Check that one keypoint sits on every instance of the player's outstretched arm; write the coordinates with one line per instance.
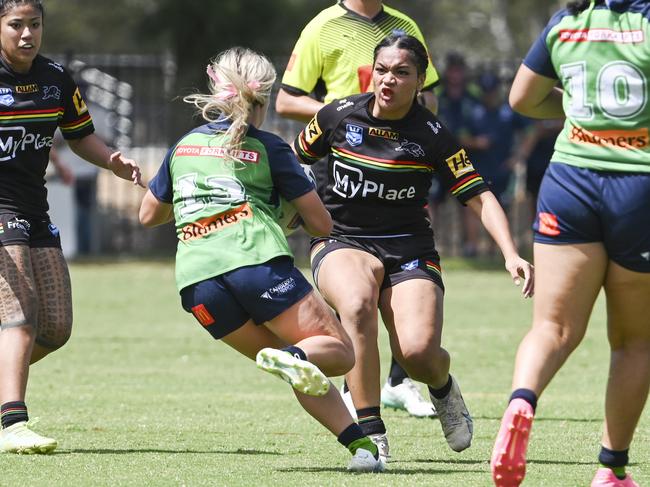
(94, 150)
(486, 206)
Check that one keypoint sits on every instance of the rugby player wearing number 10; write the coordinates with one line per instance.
(592, 229)
(382, 149)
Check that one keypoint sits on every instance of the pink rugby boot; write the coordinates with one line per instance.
(606, 478)
(508, 461)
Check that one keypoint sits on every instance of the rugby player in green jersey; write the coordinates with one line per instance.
(592, 229)
(222, 184)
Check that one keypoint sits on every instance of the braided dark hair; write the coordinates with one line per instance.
(401, 40)
(6, 5)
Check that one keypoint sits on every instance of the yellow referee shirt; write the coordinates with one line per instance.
(337, 47)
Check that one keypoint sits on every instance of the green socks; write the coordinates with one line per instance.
(364, 443)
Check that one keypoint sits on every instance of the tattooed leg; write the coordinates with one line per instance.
(18, 314)
(55, 301)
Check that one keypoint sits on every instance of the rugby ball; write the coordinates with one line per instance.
(289, 218)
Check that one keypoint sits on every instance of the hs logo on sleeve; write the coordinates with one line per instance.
(459, 163)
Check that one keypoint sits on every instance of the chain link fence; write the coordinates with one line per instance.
(131, 98)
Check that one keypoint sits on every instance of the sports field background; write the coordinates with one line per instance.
(142, 396)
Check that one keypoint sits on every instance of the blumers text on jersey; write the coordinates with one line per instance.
(32, 107)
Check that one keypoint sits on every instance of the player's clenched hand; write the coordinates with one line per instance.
(520, 268)
(125, 168)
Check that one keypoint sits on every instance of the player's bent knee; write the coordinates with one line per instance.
(357, 309)
(565, 335)
(345, 360)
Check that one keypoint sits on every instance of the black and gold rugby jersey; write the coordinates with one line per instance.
(32, 106)
(337, 46)
(379, 171)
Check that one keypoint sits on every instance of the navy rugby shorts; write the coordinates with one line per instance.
(404, 258)
(224, 303)
(16, 229)
(578, 205)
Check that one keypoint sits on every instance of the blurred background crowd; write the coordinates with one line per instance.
(135, 59)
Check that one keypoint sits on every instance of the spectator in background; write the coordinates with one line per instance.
(455, 102)
(536, 151)
(83, 177)
(63, 171)
(455, 107)
(335, 54)
(491, 142)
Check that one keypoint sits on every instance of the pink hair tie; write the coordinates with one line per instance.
(227, 91)
(213, 75)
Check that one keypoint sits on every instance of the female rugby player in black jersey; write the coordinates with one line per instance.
(382, 149)
(36, 97)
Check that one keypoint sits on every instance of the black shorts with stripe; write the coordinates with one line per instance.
(404, 257)
(17, 229)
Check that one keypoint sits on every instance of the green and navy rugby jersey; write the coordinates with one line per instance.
(379, 171)
(226, 213)
(602, 57)
(32, 106)
(336, 47)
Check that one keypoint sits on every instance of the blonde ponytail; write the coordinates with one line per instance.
(239, 79)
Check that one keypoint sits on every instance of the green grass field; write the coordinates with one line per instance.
(142, 396)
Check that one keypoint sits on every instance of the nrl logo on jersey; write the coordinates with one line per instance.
(383, 133)
(353, 134)
(410, 266)
(6, 97)
(30, 88)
